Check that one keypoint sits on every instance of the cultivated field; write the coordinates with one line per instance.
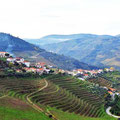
(55, 97)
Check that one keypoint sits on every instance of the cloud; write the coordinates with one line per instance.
(37, 18)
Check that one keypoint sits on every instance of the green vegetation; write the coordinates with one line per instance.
(72, 116)
(2, 59)
(100, 81)
(99, 50)
(116, 106)
(14, 109)
(113, 78)
(21, 48)
(58, 96)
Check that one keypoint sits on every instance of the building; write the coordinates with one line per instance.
(86, 75)
(40, 64)
(10, 59)
(19, 59)
(110, 92)
(27, 63)
(112, 89)
(30, 69)
(4, 54)
(40, 70)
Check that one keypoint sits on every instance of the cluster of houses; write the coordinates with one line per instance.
(18, 60)
(40, 67)
(83, 74)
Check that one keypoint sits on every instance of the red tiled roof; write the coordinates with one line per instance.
(41, 69)
(85, 74)
(3, 52)
(26, 61)
(80, 70)
(33, 68)
(110, 92)
(18, 58)
(112, 89)
(41, 63)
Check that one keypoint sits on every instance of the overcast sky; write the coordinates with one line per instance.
(37, 18)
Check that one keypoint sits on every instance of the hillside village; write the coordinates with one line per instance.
(19, 65)
(42, 67)
(39, 67)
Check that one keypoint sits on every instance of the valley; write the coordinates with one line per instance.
(59, 60)
(36, 84)
(98, 50)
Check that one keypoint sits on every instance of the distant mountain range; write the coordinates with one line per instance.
(47, 40)
(20, 48)
(100, 50)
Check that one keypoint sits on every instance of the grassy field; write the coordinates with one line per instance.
(71, 116)
(15, 109)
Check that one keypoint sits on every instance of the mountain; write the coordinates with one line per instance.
(50, 39)
(100, 50)
(20, 48)
(47, 40)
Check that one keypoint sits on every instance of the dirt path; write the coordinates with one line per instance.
(3, 96)
(109, 113)
(36, 107)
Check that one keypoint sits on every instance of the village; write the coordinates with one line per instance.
(44, 68)
(40, 67)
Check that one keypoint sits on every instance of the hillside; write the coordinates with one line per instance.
(100, 50)
(53, 97)
(49, 39)
(20, 48)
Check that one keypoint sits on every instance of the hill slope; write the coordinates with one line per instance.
(21, 48)
(50, 39)
(92, 49)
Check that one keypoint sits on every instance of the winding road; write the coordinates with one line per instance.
(37, 107)
(109, 113)
(3, 96)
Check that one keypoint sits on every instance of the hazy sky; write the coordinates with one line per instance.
(37, 18)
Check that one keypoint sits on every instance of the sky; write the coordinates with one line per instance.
(38, 18)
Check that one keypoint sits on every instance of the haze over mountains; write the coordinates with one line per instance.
(100, 50)
(49, 39)
(20, 48)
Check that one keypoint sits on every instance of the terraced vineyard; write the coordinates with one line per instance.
(60, 92)
(101, 81)
(76, 98)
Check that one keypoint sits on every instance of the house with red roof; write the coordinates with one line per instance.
(19, 59)
(110, 92)
(112, 89)
(4, 54)
(27, 63)
(40, 64)
(85, 75)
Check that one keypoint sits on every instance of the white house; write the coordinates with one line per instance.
(40, 64)
(10, 59)
(19, 60)
(27, 63)
(4, 54)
